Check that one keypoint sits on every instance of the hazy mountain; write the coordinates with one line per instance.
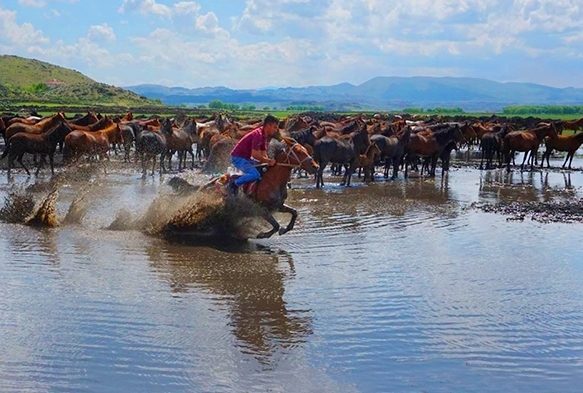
(379, 93)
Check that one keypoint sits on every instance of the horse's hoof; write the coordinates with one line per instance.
(282, 231)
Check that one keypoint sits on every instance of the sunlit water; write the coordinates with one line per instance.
(390, 287)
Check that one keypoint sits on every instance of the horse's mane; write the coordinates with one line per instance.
(275, 147)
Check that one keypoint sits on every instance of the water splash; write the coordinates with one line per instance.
(46, 214)
(18, 205)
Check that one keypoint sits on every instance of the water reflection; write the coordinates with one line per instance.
(251, 283)
(499, 186)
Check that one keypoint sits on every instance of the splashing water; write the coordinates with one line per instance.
(18, 205)
(46, 214)
(201, 215)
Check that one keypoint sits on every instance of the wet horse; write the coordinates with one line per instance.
(337, 151)
(271, 191)
(38, 128)
(43, 144)
(432, 145)
(568, 143)
(526, 141)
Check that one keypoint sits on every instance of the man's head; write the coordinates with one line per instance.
(270, 125)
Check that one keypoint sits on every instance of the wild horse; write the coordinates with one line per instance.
(270, 192)
(43, 144)
(432, 145)
(526, 141)
(338, 151)
(568, 143)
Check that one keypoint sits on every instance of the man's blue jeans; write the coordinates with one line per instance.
(250, 172)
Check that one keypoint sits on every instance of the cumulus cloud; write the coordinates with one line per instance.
(14, 34)
(101, 32)
(145, 7)
(186, 7)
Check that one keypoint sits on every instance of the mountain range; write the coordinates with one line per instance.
(380, 93)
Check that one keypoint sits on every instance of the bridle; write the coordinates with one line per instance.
(291, 153)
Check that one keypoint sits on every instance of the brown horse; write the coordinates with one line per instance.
(178, 140)
(573, 125)
(526, 141)
(89, 118)
(43, 144)
(40, 127)
(271, 191)
(91, 143)
(367, 161)
(431, 146)
(568, 143)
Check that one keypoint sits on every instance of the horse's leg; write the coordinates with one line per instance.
(270, 219)
(192, 156)
(22, 163)
(294, 216)
(524, 160)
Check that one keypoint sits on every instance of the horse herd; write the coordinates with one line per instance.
(348, 143)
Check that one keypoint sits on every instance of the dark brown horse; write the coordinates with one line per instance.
(526, 141)
(271, 191)
(432, 145)
(573, 124)
(43, 144)
(340, 151)
(568, 143)
(38, 128)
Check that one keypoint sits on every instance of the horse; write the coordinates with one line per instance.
(392, 149)
(270, 191)
(328, 149)
(568, 143)
(150, 144)
(432, 145)
(43, 144)
(178, 140)
(79, 143)
(526, 141)
(574, 125)
(367, 161)
(40, 127)
(491, 143)
(85, 120)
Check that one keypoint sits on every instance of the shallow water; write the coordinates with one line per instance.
(395, 286)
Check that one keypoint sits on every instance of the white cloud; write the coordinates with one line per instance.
(19, 35)
(101, 32)
(146, 7)
(32, 3)
(186, 7)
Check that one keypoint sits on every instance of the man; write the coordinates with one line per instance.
(252, 149)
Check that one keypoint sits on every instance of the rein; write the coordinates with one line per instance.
(289, 152)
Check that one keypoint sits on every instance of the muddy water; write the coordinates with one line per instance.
(396, 286)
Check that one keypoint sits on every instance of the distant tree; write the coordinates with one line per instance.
(216, 104)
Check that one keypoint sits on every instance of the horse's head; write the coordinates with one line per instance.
(297, 155)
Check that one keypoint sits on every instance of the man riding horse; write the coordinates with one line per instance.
(250, 150)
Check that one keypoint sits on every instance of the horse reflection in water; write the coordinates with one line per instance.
(252, 284)
(500, 187)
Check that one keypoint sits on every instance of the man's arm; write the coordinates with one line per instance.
(261, 156)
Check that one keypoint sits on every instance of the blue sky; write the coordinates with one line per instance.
(257, 43)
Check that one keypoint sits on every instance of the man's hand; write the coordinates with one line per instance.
(271, 162)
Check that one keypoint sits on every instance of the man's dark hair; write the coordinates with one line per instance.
(270, 119)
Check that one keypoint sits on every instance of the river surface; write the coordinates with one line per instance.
(391, 287)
